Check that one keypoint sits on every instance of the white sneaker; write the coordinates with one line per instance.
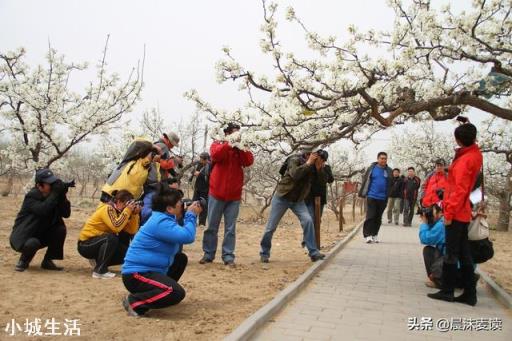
(106, 275)
(369, 240)
(374, 239)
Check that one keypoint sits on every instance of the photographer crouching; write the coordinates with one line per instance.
(39, 222)
(154, 263)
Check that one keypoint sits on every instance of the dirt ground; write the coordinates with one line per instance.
(218, 298)
(500, 266)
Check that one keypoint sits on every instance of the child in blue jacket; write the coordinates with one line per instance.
(432, 234)
(153, 263)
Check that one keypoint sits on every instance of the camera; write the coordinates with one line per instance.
(136, 202)
(188, 202)
(322, 154)
(440, 193)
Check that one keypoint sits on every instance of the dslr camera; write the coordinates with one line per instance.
(322, 154)
(188, 202)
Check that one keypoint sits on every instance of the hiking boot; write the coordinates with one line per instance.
(317, 256)
(264, 259)
(106, 275)
(205, 260)
(48, 264)
(442, 295)
(21, 266)
(129, 309)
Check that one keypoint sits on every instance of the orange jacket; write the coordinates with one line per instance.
(462, 175)
(435, 182)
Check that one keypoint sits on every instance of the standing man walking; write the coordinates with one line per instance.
(411, 187)
(226, 182)
(462, 175)
(395, 197)
(375, 188)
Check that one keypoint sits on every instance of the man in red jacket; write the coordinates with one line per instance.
(226, 182)
(435, 183)
(462, 175)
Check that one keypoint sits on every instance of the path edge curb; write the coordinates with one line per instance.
(498, 292)
(250, 325)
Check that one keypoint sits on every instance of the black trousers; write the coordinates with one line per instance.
(408, 211)
(374, 210)
(152, 290)
(430, 254)
(204, 214)
(107, 249)
(52, 237)
(457, 250)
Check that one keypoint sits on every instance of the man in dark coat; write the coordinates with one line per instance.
(411, 188)
(39, 222)
(200, 177)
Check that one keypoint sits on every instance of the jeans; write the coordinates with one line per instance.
(374, 210)
(394, 209)
(277, 210)
(217, 209)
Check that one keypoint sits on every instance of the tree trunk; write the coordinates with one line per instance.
(8, 186)
(504, 212)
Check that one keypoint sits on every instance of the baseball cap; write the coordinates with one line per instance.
(45, 175)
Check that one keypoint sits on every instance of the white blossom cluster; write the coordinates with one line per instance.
(434, 63)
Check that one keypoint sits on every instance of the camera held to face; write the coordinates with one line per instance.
(322, 154)
(188, 202)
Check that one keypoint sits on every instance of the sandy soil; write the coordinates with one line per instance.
(500, 266)
(218, 298)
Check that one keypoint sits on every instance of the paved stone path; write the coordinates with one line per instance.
(375, 291)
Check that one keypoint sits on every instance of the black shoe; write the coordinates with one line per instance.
(396, 223)
(264, 259)
(48, 264)
(469, 299)
(442, 295)
(389, 221)
(21, 266)
(318, 256)
(205, 260)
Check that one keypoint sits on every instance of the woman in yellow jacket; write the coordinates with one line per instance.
(99, 238)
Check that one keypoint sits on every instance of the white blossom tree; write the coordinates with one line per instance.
(46, 118)
(496, 143)
(433, 63)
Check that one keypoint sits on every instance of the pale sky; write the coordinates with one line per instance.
(183, 40)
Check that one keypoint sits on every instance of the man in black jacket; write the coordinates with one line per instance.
(39, 222)
(411, 188)
(395, 197)
(201, 184)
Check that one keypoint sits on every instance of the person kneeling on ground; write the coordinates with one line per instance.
(101, 240)
(433, 236)
(153, 264)
(39, 222)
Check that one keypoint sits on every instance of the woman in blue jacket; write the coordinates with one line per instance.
(153, 263)
(432, 234)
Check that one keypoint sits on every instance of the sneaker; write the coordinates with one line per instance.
(205, 260)
(369, 240)
(375, 239)
(230, 263)
(264, 259)
(396, 223)
(92, 262)
(389, 221)
(106, 275)
(317, 256)
(129, 309)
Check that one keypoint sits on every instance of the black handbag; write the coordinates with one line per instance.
(481, 250)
